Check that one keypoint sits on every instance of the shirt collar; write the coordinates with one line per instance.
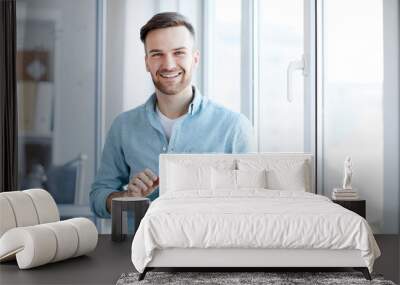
(194, 106)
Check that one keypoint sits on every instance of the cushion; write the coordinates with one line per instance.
(26, 208)
(228, 179)
(7, 220)
(40, 244)
(45, 205)
(288, 178)
(181, 177)
(24, 211)
(282, 174)
(223, 179)
(252, 178)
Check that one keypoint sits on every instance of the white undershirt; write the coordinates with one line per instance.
(167, 123)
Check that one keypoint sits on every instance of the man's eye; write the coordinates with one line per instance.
(179, 53)
(156, 55)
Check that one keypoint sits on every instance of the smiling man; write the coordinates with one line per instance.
(175, 119)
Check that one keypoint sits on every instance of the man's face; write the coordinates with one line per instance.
(171, 58)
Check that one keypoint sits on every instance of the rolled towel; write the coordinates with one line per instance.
(40, 244)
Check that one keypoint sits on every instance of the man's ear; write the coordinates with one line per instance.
(196, 57)
(147, 65)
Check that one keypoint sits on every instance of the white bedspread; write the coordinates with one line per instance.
(250, 219)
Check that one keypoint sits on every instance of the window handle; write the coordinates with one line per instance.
(292, 67)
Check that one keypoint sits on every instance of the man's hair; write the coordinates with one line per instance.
(165, 20)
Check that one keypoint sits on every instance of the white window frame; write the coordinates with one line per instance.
(250, 80)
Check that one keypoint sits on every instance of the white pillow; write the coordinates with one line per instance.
(228, 179)
(252, 178)
(288, 178)
(281, 174)
(182, 177)
(223, 179)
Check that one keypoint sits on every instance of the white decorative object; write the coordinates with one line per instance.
(31, 231)
(348, 173)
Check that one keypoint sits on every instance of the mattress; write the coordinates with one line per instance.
(251, 219)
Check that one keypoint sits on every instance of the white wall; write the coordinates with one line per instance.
(391, 90)
(137, 82)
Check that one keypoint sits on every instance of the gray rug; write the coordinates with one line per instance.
(228, 278)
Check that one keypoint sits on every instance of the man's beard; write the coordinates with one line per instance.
(176, 88)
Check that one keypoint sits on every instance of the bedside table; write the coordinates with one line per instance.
(137, 205)
(357, 206)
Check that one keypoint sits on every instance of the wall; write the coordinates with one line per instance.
(391, 189)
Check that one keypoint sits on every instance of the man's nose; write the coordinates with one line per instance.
(169, 62)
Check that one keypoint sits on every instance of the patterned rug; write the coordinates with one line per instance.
(230, 278)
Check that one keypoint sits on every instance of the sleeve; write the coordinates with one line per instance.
(243, 139)
(113, 172)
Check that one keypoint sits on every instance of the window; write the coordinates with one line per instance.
(354, 112)
(224, 39)
(357, 117)
(56, 72)
(281, 41)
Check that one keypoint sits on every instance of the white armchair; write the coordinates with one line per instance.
(31, 231)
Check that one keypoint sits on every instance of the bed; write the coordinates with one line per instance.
(247, 210)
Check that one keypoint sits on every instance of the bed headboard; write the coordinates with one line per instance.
(237, 161)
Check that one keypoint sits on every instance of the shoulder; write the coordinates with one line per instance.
(216, 109)
(220, 112)
(129, 116)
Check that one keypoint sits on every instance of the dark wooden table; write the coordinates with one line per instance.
(110, 259)
(357, 206)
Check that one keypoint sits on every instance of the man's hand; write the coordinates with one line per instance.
(141, 185)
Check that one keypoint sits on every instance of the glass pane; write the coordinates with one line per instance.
(56, 54)
(353, 102)
(226, 53)
(281, 123)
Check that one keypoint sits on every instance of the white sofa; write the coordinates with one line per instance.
(31, 231)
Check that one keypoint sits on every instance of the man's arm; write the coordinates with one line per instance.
(113, 172)
(243, 139)
(141, 185)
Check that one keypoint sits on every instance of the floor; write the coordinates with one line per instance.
(389, 262)
(111, 259)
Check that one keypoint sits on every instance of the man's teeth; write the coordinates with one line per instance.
(170, 75)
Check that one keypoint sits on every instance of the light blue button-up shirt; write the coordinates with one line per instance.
(136, 138)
